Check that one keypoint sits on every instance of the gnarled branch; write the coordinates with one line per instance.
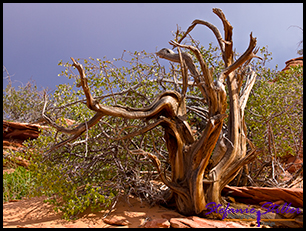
(247, 55)
(170, 55)
(76, 132)
(167, 103)
(206, 73)
(210, 26)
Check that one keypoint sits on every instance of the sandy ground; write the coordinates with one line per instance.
(35, 213)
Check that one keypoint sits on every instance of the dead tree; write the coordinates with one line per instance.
(200, 168)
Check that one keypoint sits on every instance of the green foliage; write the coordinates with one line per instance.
(274, 114)
(22, 104)
(16, 185)
(70, 189)
(96, 168)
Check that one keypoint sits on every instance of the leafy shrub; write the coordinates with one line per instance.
(274, 116)
(97, 168)
(23, 104)
(276, 108)
(16, 185)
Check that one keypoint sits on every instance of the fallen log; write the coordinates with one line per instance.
(257, 195)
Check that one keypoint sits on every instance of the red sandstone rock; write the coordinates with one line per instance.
(116, 220)
(21, 131)
(293, 62)
(157, 223)
(178, 223)
(14, 134)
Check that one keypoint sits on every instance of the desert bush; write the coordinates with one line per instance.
(23, 103)
(275, 119)
(16, 185)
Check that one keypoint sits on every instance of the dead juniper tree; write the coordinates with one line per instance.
(200, 168)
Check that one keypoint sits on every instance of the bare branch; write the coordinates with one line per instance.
(247, 55)
(141, 131)
(225, 179)
(228, 31)
(227, 26)
(173, 57)
(175, 82)
(206, 73)
(91, 102)
(76, 132)
(210, 26)
(79, 129)
(165, 101)
(246, 91)
(184, 74)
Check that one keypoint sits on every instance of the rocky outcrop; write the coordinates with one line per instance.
(14, 134)
(20, 131)
(290, 63)
(293, 62)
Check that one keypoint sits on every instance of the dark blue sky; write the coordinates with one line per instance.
(37, 36)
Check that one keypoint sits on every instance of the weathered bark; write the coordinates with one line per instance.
(229, 154)
(200, 168)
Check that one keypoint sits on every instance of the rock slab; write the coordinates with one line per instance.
(197, 222)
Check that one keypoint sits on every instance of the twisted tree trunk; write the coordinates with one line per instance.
(229, 154)
(200, 168)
